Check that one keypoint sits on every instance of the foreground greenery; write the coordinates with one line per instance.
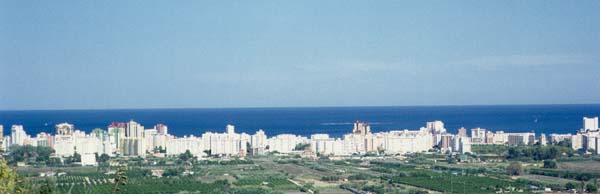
(506, 169)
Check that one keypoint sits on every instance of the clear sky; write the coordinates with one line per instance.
(174, 54)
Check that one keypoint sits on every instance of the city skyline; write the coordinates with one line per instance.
(121, 55)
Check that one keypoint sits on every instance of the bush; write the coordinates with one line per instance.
(514, 169)
(537, 153)
(360, 176)
(374, 188)
(549, 164)
(330, 178)
(591, 188)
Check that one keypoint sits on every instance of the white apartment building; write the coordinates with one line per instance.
(405, 141)
(590, 123)
(446, 142)
(161, 129)
(542, 139)
(43, 139)
(229, 143)
(577, 141)
(521, 138)
(176, 146)
(133, 143)
(436, 127)
(555, 138)
(116, 132)
(5, 143)
(462, 132)
(1, 137)
(149, 139)
(258, 142)
(478, 136)
(461, 144)
(325, 145)
(500, 138)
(285, 143)
(18, 135)
(588, 137)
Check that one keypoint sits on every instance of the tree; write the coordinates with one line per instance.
(301, 146)
(186, 155)
(513, 153)
(54, 162)
(9, 180)
(591, 188)
(49, 187)
(248, 147)
(172, 172)
(549, 164)
(43, 153)
(514, 169)
(103, 158)
(120, 179)
(570, 186)
(451, 161)
(29, 153)
(565, 143)
(76, 157)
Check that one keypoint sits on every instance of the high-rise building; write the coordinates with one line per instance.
(462, 132)
(436, 127)
(133, 142)
(161, 129)
(1, 138)
(555, 138)
(521, 138)
(117, 132)
(446, 142)
(64, 129)
(489, 137)
(542, 139)
(590, 124)
(361, 128)
(44, 139)
(478, 136)
(461, 144)
(18, 135)
(258, 142)
(230, 129)
(134, 129)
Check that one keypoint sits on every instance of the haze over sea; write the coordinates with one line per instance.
(310, 120)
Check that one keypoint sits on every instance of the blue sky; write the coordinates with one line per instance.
(173, 54)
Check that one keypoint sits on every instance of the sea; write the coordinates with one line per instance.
(305, 121)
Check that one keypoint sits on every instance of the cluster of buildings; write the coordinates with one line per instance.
(588, 137)
(133, 139)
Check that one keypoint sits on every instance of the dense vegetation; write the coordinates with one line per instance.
(526, 153)
(580, 176)
(550, 152)
(446, 180)
(29, 154)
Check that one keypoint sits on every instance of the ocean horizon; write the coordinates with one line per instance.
(336, 121)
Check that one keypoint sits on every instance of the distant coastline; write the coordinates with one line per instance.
(309, 120)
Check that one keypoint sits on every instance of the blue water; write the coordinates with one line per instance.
(305, 121)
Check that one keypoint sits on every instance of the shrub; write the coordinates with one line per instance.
(514, 169)
(549, 164)
(591, 188)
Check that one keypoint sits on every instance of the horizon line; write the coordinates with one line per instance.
(290, 107)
